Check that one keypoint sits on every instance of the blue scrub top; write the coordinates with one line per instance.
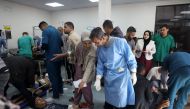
(52, 38)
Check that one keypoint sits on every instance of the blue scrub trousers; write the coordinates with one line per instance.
(54, 72)
(179, 83)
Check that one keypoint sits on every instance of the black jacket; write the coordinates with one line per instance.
(21, 70)
(143, 94)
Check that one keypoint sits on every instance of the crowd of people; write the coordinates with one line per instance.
(137, 73)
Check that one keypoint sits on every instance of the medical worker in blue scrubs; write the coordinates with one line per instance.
(52, 43)
(117, 64)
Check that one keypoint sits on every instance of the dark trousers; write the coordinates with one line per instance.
(70, 68)
(54, 72)
(22, 88)
(87, 94)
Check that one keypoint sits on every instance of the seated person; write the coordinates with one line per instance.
(19, 71)
(143, 93)
(147, 95)
(159, 75)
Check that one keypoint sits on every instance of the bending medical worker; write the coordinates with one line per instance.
(117, 64)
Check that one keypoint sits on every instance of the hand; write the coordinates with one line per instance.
(149, 53)
(34, 49)
(81, 85)
(57, 56)
(97, 83)
(133, 78)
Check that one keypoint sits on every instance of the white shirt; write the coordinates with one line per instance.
(154, 73)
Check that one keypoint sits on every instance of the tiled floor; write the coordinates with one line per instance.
(98, 96)
(68, 93)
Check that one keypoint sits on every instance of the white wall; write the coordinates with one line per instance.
(139, 15)
(21, 18)
(82, 18)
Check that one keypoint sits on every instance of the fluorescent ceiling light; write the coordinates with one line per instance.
(178, 17)
(94, 0)
(185, 12)
(54, 4)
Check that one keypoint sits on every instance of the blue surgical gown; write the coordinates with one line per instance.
(115, 61)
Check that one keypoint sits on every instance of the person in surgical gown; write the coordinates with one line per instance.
(117, 64)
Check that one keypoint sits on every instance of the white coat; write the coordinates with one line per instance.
(149, 48)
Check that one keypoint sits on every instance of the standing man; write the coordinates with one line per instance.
(51, 43)
(178, 66)
(85, 70)
(72, 41)
(108, 28)
(164, 45)
(117, 64)
(25, 45)
(130, 37)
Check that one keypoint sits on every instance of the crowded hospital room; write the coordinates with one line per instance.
(94, 54)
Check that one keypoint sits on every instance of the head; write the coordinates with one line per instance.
(85, 38)
(147, 35)
(98, 37)
(164, 30)
(131, 31)
(108, 26)
(141, 69)
(68, 27)
(25, 34)
(61, 30)
(43, 25)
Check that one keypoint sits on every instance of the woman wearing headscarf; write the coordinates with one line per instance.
(145, 49)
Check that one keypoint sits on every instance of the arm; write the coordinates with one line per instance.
(150, 74)
(172, 45)
(153, 49)
(130, 60)
(45, 40)
(100, 66)
(4, 44)
(129, 56)
(89, 68)
(100, 69)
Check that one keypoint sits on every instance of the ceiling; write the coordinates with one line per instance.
(70, 4)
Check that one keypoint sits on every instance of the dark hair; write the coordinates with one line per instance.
(42, 23)
(96, 33)
(70, 24)
(150, 34)
(131, 29)
(165, 25)
(25, 33)
(108, 24)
